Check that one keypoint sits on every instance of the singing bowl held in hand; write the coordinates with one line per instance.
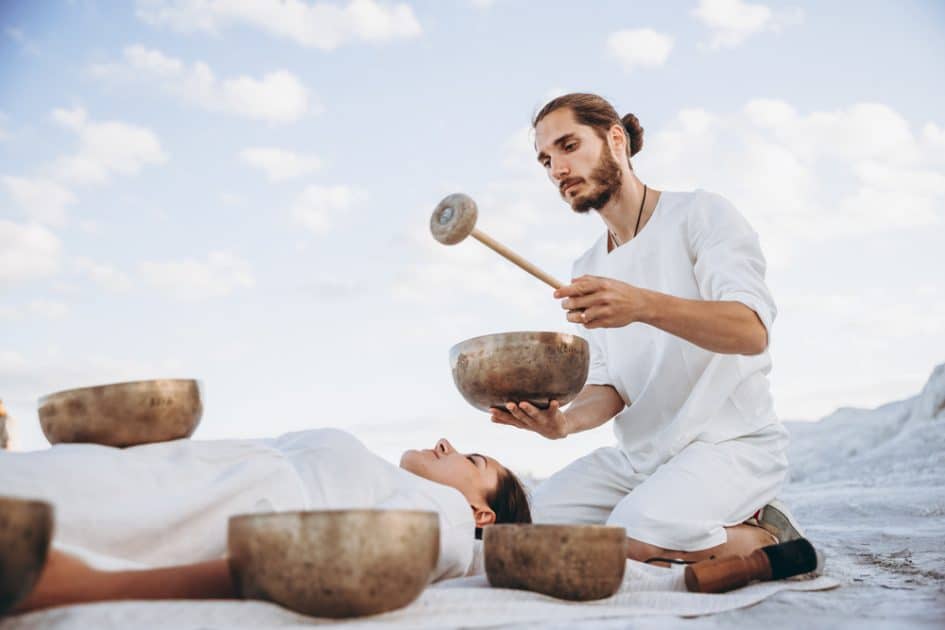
(334, 563)
(123, 414)
(575, 562)
(537, 367)
(25, 530)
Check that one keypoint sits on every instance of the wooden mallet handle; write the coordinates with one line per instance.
(514, 258)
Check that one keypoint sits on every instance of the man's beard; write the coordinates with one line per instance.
(605, 180)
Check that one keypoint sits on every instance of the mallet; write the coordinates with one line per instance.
(455, 218)
(774, 562)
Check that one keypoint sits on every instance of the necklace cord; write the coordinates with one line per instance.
(639, 216)
(640, 213)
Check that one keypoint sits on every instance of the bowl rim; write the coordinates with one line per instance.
(338, 512)
(32, 502)
(518, 332)
(75, 390)
(555, 526)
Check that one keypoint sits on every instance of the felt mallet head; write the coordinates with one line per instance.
(453, 219)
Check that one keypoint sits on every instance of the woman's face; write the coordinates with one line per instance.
(472, 474)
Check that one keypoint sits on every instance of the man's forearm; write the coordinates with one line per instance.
(723, 327)
(595, 405)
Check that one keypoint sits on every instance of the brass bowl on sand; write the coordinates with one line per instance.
(576, 562)
(334, 563)
(25, 531)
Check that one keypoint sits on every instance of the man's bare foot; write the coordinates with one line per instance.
(741, 540)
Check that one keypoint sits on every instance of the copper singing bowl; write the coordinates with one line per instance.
(575, 562)
(25, 530)
(539, 367)
(334, 563)
(123, 414)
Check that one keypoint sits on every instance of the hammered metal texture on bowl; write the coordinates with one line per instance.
(334, 563)
(539, 367)
(123, 414)
(25, 530)
(575, 562)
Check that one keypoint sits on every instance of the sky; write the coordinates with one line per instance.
(240, 192)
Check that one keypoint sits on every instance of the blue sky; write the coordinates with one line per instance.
(239, 192)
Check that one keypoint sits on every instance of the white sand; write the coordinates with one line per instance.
(868, 486)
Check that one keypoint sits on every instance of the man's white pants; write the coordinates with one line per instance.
(684, 505)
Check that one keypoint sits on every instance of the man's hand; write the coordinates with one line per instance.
(550, 423)
(599, 302)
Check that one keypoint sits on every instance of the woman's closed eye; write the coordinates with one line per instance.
(476, 459)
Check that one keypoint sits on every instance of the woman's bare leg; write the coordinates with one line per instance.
(742, 540)
(67, 580)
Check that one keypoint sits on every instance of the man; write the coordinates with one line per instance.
(678, 317)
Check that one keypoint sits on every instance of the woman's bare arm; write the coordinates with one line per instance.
(68, 580)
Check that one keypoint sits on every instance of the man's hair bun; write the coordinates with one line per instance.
(634, 131)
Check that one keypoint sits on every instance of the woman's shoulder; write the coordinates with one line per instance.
(334, 440)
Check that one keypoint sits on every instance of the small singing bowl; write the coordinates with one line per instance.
(575, 562)
(334, 563)
(537, 367)
(123, 414)
(25, 530)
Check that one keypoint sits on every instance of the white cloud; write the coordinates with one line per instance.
(318, 206)
(103, 275)
(276, 97)
(321, 25)
(106, 148)
(218, 276)
(27, 251)
(933, 141)
(639, 48)
(46, 309)
(24, 42)
(232, 200)
(43, 200)
(734, 21)
(280, 165)
(801, 178)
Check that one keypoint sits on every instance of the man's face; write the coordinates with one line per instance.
(578, 161)
(472, 474)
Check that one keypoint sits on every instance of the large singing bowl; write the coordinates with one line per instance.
(539, 367)
(575, 562)
(334, 563)
(123, 414)
(25, 529)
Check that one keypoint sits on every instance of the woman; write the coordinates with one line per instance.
(678, 316)
(154, 510)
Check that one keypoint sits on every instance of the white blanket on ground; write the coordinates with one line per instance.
(460, 602)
